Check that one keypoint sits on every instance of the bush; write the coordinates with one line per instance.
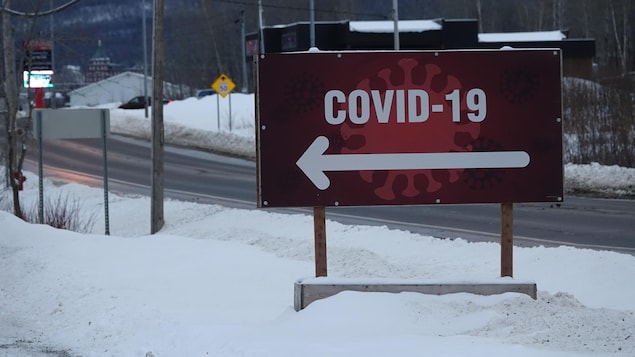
(599, 124)
(59, 212)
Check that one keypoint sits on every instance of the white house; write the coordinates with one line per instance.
(119, 88)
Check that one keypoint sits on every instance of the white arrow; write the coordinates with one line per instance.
(314, 163)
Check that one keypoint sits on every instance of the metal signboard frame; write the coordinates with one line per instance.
(51, 124)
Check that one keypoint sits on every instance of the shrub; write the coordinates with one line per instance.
(59, 212)
(599, 124)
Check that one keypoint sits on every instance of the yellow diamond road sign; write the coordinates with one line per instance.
(223, 85)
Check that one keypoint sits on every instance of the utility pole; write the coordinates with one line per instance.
(312, 23)
(144, 46)
(157, 219)
(261, 28)
(242, 46)
(53, 99)
(395, 19)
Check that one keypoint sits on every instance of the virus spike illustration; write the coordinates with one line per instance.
(438, 133)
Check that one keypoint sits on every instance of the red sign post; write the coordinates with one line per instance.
(38, 57)
(401, 128)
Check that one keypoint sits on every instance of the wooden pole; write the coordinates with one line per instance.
(319, 227)
(507, 239)
(156, 209)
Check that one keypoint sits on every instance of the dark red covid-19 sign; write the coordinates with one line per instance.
(402, 128)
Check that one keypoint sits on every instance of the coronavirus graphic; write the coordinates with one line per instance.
(481, 179)
(519, 84)
(305, 92)
(438, 133)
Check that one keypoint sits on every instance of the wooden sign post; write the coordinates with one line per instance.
(319, 227)
(507, 239)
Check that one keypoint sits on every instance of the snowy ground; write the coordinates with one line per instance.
(219, 282)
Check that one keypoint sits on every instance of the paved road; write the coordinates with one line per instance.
(208, 178)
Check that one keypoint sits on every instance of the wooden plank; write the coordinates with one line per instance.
(507, 239)
(319, 227)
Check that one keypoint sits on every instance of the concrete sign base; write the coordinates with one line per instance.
(309, 290)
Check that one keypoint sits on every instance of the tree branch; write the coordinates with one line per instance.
(35, 14)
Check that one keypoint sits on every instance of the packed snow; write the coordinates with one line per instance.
(522, 36)
(218, 281)
(389, 26)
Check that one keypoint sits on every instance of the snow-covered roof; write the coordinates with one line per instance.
(282, 26)
(113, 79)
(389, 26)
(522, 36)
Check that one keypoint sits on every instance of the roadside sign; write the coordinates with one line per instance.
(401, 128)
(38, 44)
(50, 124)
(37, 79)
(71, 123)
(37, 55)
(223, 85)
(37, 60)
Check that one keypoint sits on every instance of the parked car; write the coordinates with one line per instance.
(139, 102)
(204, 92)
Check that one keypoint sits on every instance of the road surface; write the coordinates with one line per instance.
(208, 178)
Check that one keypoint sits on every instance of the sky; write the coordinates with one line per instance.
(218, 281)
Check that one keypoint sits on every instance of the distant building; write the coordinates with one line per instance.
(439, 34)
(100, 67)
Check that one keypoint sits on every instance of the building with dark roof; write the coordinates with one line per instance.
(438, 34)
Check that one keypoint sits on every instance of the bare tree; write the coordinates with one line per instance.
(557, 14)
(14, 159)
(16, 144)
(621, 27)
